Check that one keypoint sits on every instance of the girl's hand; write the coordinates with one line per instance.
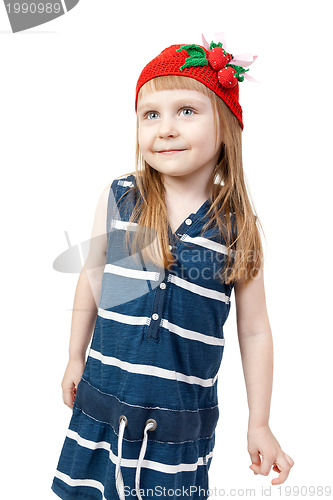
(262, 442)
(71, 379)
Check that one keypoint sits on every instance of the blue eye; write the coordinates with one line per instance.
(148, 115)
(151, 113)
(187, 109)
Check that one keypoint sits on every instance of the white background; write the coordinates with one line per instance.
(67, 128)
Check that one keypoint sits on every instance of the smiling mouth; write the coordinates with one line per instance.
(171, 151)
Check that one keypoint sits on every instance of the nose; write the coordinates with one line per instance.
(167, 127)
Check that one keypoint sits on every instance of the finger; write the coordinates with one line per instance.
(289, 459)
(256, 461)
(255, 468)
(266, 466)
(68, 396)
(261, 467)
(281, 478)
(283, 467)
(68, 400)
(255, 458)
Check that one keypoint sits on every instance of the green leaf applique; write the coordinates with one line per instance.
(197, 56)
(238, 70)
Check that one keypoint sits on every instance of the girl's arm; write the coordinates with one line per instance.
(86, 300)
(84, 312)
(256, 347)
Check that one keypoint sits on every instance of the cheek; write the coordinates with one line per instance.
(204, 141)
(142, 139)
(146, 135)
(204, 134)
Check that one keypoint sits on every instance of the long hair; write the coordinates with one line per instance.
(229, 196)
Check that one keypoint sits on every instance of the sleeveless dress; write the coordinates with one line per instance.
(144, 417)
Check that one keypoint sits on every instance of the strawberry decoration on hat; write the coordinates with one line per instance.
(229, 68)
(218, 57)
(219, 60)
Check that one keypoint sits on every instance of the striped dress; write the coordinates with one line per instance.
(146, 407)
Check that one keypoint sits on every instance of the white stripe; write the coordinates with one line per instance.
(132, 462)
(87, 443)
(125, 183)
(191, 334)
(80, 482)
(132, 273)
(206, 243)
(123, 318)
(122, 224)
(199, 290)
(152, 370)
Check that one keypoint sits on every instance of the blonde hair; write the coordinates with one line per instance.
(229, 195)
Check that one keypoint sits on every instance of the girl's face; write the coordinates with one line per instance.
(176, 131)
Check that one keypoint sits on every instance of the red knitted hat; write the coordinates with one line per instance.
(214, 68)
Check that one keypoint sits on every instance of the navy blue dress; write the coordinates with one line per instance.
(146, 407)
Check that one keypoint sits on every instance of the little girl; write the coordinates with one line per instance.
(170, 242)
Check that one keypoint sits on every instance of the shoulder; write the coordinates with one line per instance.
(122, 195)
(124, 186)
(127, 180)
(116, 186)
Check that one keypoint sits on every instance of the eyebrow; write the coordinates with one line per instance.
(187, 101)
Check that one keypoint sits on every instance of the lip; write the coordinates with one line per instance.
(171, 151)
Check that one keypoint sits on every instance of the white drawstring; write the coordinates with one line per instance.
(118, 475)
(149, 425)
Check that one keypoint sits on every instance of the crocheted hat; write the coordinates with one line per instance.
(209, 64)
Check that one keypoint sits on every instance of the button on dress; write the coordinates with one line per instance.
(146, 408)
